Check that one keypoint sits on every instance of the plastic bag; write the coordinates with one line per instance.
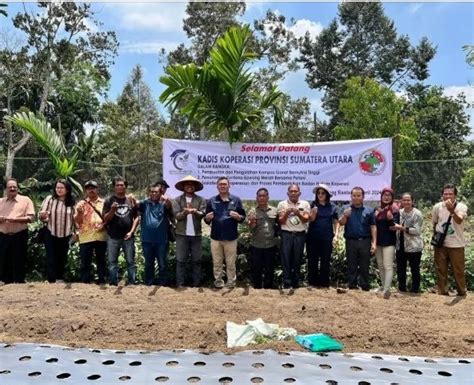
(319, 342)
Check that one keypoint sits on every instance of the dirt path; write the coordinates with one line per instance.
(151, 318)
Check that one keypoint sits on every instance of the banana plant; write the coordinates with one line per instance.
(220, 95)
(65, 164)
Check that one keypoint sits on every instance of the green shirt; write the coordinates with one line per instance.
(263, 234)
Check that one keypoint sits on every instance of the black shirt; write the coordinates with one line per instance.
(122, 221)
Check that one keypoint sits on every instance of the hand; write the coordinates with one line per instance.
(114, 206)
(314, 212)
(450, 205)
(44, 215)
(235, 215)
(372, 248)
(80, 210)
(209, 216)
(128, 235)
(347, 212)
(389, 215)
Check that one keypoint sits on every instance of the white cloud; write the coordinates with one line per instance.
(159, 17)
(304, 25)
(454, 91)
(146, 47)
(414, 8)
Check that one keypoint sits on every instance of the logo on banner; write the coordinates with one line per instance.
(180, 159)
(372, 162)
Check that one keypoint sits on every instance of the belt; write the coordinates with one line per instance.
(294, 232)
(359, 239)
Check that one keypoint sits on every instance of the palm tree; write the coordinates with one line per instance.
(65, 164)
(219, 95)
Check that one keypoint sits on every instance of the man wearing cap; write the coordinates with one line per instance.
(189, 209)
(293, 215)
(322, 230)
(16, 211)
(92, 233)
(154, 213)
(360, 232)
(224, 212)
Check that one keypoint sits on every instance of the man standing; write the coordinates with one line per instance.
(92, 234)
(224, 212)
(293, 215)
(154, 213)
(360, 232)
(263, 242)
(16, 211)
(121, 217)
(452, 250)
(189, 209)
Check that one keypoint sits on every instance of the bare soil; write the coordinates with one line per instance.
(154, 318)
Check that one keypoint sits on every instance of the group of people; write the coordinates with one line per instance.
(107, 226)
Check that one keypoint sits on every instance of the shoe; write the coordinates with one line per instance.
(387, 294)
(377, 290)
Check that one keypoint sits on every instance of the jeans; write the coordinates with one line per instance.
(292, 249)
(156, 251)
(319, 260)
(188, 246)
(113, 251)
(263, 264)
(56, 256)
(86, 251)
(13, 250)
(414, 260)
(358, 260)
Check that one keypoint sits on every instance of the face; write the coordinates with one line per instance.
(120, 187)
(189, 188)
(92, 192)
(448, 193)
(321, 195)
(60, 190)
(155, 193)
(407, 202)
(262, 198)
(357, 197)
(223, 186)
(387, 197)
(12, 188)
(294, 193)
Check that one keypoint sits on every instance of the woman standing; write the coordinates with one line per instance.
(57, 211)
(409, 244)
(386, 216)
(322, 230)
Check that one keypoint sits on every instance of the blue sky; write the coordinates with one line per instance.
(143, 28)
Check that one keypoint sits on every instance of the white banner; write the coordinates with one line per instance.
(341, 165)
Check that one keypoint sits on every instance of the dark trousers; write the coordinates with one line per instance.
(86, 252)
(319, 260)
(155, 251)
(13, 249)
(292, 249)
(263, 265)
(188, 247)
(56, 256)
(358, 260)
(414, 260)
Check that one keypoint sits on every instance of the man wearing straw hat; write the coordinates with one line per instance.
(189, 209)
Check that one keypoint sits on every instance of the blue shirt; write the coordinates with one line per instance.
(358, 224)
(223, 226)
(322, 227)
(154, 221)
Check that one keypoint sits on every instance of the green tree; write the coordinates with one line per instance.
(363, 42)
(219, 94)
(57, 36)
(371, 110)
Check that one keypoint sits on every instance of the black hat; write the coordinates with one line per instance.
(163, 183)
(91, 183)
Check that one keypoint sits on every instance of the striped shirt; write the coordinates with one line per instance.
(61, 218)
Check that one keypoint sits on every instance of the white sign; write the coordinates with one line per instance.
(341, 165)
